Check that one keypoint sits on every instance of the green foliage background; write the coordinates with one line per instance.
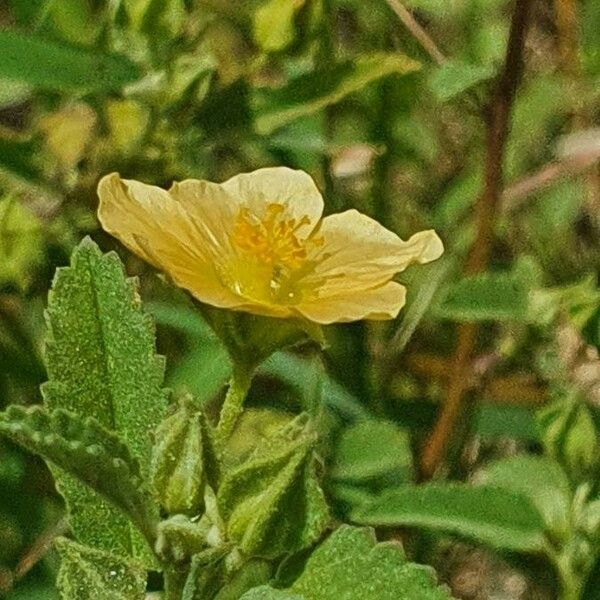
(167, 90)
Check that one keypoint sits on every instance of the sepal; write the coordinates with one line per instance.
(184, 460)
(272, 503)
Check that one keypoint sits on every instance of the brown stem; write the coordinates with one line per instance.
(570, 66)
(34, 554)
(417, 31)
(497, 123)
(555, 171)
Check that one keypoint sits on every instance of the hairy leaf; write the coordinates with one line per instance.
(350, 564)
(89, 574)
(485, 297)
(494, 516)
(102, 363)
(87, 451)
(330, 84)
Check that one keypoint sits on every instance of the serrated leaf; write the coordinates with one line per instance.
(540, 479)
(486, 297)
(327, 85)
(102, 363)
(494, 516)
(87, 451)
(54, 66)
(455, 77)
(89, 574)
(272, 503)
(351, 564)
(371, 449)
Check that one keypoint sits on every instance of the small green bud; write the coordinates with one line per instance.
(184, 461)
(272, 503)
(178, 538)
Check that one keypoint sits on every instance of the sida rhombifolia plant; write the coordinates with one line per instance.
(151, 484)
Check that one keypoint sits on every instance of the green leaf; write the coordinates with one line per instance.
(17, 159)
(20, 243)
(102, 363)
(206, 366)
(493, 516)
(371, 449)
(184, 460)
(89, 574)
(495, 421)
(74, 21)
(88, 452)
(312, 92)
(486, 297)
(272, 503)
(540, 479)
(156, 16)
(569, 435)
(455, 77)
(53, 66)
(351, 564)
(274, 28)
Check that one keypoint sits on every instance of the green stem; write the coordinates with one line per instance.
(571, 584)
(233, 405)
(174, 578)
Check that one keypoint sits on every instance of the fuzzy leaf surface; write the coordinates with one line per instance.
(351, 564)
(89, 574)
(87, 451)
(102, 363)
(500, 518)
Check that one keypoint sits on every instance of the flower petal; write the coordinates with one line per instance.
(211, 210)
(160, 230)
(295, 190)
(380, 303)
(360, 253)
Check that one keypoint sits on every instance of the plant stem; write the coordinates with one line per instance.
(417, 31)
(497, 124)
(570, 584)
(174, 578)
(233, 405)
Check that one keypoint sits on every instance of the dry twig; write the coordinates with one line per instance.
(498, 121)
(417, 31)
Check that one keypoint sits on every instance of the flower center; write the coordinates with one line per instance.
(274, 256)
(271, 240)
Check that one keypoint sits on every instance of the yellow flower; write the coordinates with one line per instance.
(258, 243)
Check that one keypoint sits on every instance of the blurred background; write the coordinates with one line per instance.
(397, 109)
